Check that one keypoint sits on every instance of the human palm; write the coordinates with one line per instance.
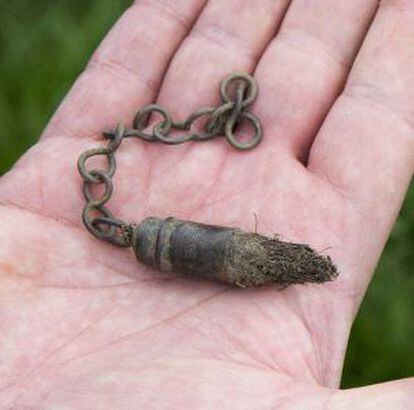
(85, 326)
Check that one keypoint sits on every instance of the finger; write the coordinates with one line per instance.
(366, 146)
(219, 44)
(305, 66)
(365, 149)
(124, 73)
(127, 68)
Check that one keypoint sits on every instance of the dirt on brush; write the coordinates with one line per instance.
(255, 260)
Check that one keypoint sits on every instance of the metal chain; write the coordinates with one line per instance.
(221, 121)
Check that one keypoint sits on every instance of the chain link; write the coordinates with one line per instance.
(219, 121)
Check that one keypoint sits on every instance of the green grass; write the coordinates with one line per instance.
(44, 44)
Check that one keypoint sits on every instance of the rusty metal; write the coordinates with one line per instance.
(220, 121)
(227, 255)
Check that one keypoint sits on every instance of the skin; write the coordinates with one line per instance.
(84, 326)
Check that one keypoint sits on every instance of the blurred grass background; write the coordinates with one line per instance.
(44, 45)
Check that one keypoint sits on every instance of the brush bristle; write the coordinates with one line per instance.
(255, 260)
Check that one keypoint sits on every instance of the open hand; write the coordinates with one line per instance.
(85, 326)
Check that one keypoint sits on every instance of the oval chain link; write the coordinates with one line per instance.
(219, 121)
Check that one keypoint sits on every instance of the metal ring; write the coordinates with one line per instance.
(105, 179)
(142, 116)
(88, 220)
(87, 176)
(197, 114)
(117, 137)
(219, 117)
(237, 106)
(130, 132)
(256, 139)
(113, 224)
(93, 223)
(181, 125)
(251, 87)
(207, 133)
(160, 135)
(116, 223)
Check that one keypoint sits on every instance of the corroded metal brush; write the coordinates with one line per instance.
(228, 255)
